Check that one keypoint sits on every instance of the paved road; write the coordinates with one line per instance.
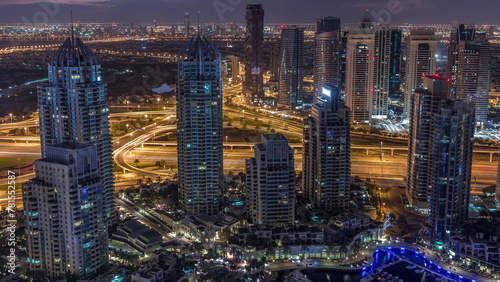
(153, 224)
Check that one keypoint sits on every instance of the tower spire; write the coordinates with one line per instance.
(198, 23)
(72, 28)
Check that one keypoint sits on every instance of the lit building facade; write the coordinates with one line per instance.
(327, 54)
(199, 127)
(452, 141)
(254, 54)
(63, 208)
(73, 106)
(469, 69)
(360, 66)
(421, 49)
(424, 104)
(291, 68)
(327, 152)
(271, 181)
(387, 63)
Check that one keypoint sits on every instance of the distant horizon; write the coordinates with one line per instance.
(222, 11)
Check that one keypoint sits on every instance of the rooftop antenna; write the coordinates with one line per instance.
(72, 28)
(198, 23)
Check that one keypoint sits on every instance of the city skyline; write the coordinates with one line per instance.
(408, 11)
(228, 152)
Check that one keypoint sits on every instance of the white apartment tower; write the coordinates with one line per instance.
(421, 49)
(63, 208)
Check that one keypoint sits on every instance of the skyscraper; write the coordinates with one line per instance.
(469, 69)
(387, 61)
(328, 24)
(73, 106)
(63, 208)
(254, 54)
(271, 181)
(424, 104)
(275, 61)
(421, 49)
(291, 69)
(199, 127)
(395, 61)
(187, 24)
(327, 152)
(453, 134)
(327, 53)
(360, 64)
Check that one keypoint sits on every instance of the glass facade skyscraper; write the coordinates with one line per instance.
(327, 152)
(291, 68)
(327, 54)
(199, 127)
(254, 54)
(73, 106)
(469, 69)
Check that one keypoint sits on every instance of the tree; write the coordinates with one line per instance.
(139, 181)
(304, 249)
(287, 250)
(270, 252)
(136, 161)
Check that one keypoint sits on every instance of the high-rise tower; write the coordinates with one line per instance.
(291, 69)
(453, 134)
(187, 24)
(327, 152)
(360, 65)
(424, 103)
(63, 208)
(271, 181)
(469, 69)
(387, 62)
(254, 54)
(73, 106)
(421, 49)
(199, 127)
(328, 24)
(327, 54)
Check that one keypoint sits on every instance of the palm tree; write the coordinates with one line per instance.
(286, 250)
(303, 249)
(331, 249)
(270, 252)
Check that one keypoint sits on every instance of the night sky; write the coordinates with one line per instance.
(277, 11)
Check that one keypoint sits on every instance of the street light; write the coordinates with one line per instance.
(127, 127)
(11, 118)
(158, 99)
(381, 154)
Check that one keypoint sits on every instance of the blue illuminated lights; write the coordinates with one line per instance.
(414, 257)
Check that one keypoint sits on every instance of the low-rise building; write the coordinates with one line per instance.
(138, 236)
(286, 234)
(479, 248)
(160, 268)
(205, 228)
